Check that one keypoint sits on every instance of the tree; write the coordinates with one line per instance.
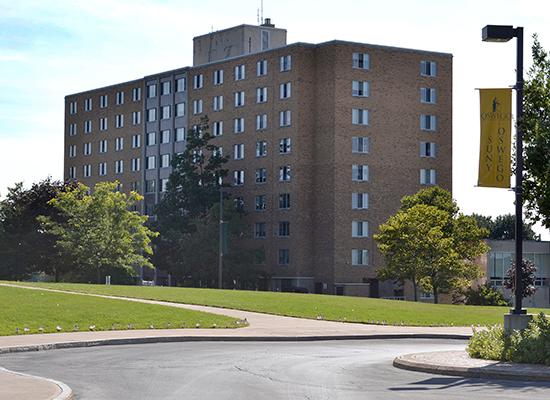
(99, 231)
(24, 246)
(503, 227)
(430, 243)
(535, 125)
(484, 295)
(528, 271)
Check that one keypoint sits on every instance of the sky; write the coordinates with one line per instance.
(49, 49)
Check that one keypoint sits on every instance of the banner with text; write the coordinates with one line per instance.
(496, 126)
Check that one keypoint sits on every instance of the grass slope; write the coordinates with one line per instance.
(36, 308)
(335, 308)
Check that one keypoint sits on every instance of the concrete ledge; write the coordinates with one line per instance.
(176, 339)
(459, 363)
(16, 385)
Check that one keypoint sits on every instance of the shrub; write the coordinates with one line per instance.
(485, 295)
(531, 345)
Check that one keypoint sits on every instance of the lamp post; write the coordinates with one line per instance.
(503, 33)
(221, 238)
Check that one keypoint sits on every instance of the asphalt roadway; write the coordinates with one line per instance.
(360, 369)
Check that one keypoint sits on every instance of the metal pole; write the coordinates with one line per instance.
(519, 172)
(220, 261)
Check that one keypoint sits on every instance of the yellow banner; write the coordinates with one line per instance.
(496, 126)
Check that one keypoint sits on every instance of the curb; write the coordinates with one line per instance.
(66, 391)
(178, 339)
(491, 371)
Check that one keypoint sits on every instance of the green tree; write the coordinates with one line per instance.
(24, 246)
(430, 243)
(99, 231)
(503, 227)
(535, 124)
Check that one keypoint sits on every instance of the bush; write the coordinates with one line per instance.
(531, 345)
(485, 295)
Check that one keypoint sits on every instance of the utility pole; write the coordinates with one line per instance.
(220, 260)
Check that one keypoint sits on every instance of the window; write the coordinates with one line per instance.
(136, 141)
(259, 230)
(103, 101)
(152, 90)
(165, 88)
(136, 94)
(88, 104)
(150, 162)
(284, 173)
(102, 169)
(239, 72)
(360, 144)
(261, 95)
(136, 164)
(428, 95)
(87, 126)
(72, 129)
(359, 117)
(165, 160)
(428, 122)
(165, 136)
(261, 148)
(260, 202)
(198, 81)
(427, 177)
(136, 117)
(119, 98)
(87, 170)
(181, 85)
(165, 112)
(360, 89)
(359, 229)
(428, 68)
(151, 115)
(103, 145)
(238, 177)
(72, 151)
(218, 77)
(119, 167)
(119, 121)
(87, 149)
(261, 175)
(180, 134)
(164, 185)
(238, 125)
(239, 99)
(218, 151)
(238, 151)
(103, 124)
(197, 107)
(285, 118)
(265, 40)
(180, 109)
(427, 149)
(286, 63)
(284, 146)
(261, 68)
(285, 90)
(217, 128)
(135, 187)
(360, 172)
(284, 229)
(284, 201)
(72, 107)
(151, 138)
(284, 256)
(359, 201)
(72, 172)
(360, 60)
(261, 122)
(150, 186)
(359, 257)
(119, 144)
(217, 103)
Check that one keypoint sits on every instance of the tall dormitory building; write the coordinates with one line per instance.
(324, 140)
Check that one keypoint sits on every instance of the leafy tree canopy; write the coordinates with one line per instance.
(503, 227)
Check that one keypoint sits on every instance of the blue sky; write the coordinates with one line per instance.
(49, 49)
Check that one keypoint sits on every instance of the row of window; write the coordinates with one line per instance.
(104, 101)
(165, 136)
(103, 146)
(166, 87)
(261, 175)
(285, 146)
(166, 112)
(359, 229)
(260, 202)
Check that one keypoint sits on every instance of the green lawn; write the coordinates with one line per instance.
(335, 308)
(32, 309)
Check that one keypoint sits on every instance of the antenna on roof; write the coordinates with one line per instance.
(258, 16)
(262, 10)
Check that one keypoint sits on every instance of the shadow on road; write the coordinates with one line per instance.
(441, 383)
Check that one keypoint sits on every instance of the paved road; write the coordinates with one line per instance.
(251, 370)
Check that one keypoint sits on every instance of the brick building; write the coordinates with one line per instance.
(324, 139)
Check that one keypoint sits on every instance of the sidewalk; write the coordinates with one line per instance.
(26, 387)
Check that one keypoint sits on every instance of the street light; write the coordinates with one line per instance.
(503, 33)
